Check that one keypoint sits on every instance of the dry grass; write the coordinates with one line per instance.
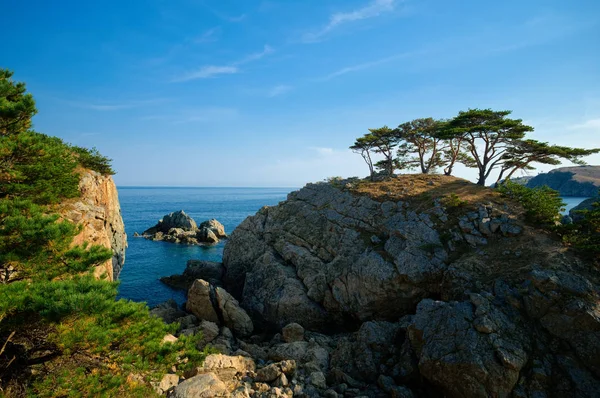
(421, 189)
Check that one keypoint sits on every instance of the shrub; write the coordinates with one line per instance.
(584, 235)
(542, 204)
(92, 159)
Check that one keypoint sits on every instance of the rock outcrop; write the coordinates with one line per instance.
(210, 271)
(404, 295)
(216, 305)
(432, 296)
(178, 227)
(99, 212)
(570, 181)
(326, 256)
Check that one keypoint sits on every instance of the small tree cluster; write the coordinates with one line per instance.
(484, 139)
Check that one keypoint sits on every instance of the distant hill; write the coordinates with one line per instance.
(570, 181)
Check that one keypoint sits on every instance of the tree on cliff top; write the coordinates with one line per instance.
(421, 145)
(384, 142)
(488, 136)
(523, 153)
(363, 146)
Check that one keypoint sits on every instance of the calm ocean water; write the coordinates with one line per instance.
(146, 261)
(571, 202)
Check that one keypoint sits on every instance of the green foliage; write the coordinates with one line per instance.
(37, 167)
(453, 201)
(542, 204)
(35, 244)
(16, 107)
(93, 160)
(49, 300)
(584, 234)
(121, 335)
(421, 145)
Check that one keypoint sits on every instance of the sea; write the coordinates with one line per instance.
(146, 261)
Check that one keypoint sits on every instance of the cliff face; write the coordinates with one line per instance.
(99, 211)
(447, 297)
(570, 181)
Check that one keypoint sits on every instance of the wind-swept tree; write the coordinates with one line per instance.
(488, 136)
(384, 142)
(363, 146)
(523, 153)
(421, 144)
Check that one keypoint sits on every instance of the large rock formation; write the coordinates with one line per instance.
(99, 212)
(570, 181)
(416, 294)
(178, 227)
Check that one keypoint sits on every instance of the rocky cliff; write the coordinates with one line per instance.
(420, 286)
(570, 181)
(99, 211)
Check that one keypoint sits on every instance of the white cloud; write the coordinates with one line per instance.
(323, 151)
(209, 71)
(588, 124)
(256, 56)
(366, 65)
(279, 90)
(208, 36)
(374, 9)
(206, 72)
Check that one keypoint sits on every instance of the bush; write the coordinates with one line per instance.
(85, 321)
(584, 235)
(92, 159)
(542, 204)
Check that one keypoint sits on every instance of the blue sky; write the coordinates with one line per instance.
(271, 93)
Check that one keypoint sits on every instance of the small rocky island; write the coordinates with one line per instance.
(178, 227)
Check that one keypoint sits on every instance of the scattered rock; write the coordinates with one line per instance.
(201, 386)
(292, 332)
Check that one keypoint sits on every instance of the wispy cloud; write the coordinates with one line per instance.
(206, 72)
(208, 36)
(323, 151)
(256, 56)
(223, 16)
(114, 106)
(279, 90)
(588, 124)
(209, 71)
(374, 9)
(367, 65)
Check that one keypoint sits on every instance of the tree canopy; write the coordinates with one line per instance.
(484, 139)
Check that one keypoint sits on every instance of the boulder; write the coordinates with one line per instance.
(234, 317)
(176, 220)
(200, 301)
(215, 227)
(210, 271)
(205, 385)
(292, 332)
(469, 348)
(206, 235)
(168, 311)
